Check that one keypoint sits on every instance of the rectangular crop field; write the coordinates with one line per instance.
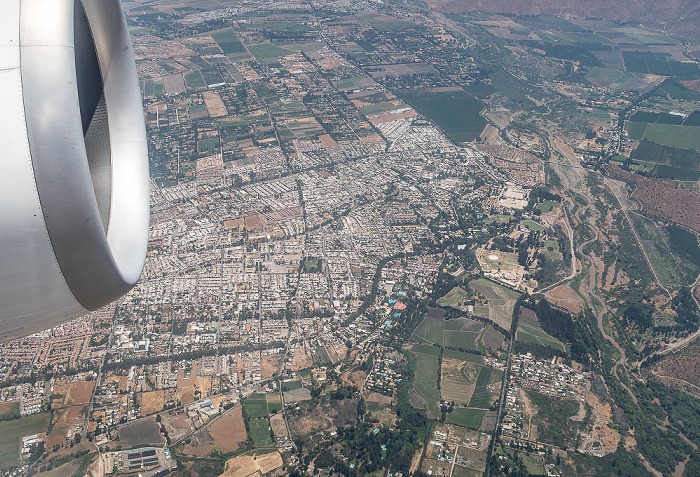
(462, 339)
(430, 330)
(458, 380)
(425, 379)
(687, 137)
(228, 42)
(461, 355)
(193, 79)
(255, 406)
(487, 388)
(267, 50)
(466, 417)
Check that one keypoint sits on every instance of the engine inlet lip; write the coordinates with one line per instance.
(100, 257)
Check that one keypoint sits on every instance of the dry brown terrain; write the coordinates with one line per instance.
(177, 425)
(215, 105)
(663, 198)
(152, 401)
(269, 365)
(8, 406)
(356, 378)
(79, 393)
(228, 431)
(683, 366)
(565, 297)
(379, 399)
(245, 465)
(278, 425)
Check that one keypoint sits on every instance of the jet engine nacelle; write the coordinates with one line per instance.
(74, 187)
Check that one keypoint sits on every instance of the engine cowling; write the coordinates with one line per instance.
(74, 187)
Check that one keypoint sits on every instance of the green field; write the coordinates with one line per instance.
(534, 226)
(672, 251)
(546, 206)
(267, 50)
(350, 83)
(482, 398)
(462, 339)
(260, 432)
(635, 129)
(461, 355)
(553, 244)
(456, 112)
(672, 135)
(430, 330)
(466, 417)
(453, 297)
(425, 377)
(501, 301)
(12, 433)
(194, 79)
(274, 403)
(228, 42)
(535, 335)
(204, 145)
(255, 405)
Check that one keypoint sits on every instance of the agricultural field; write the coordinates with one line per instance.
(458, 380)
(267, 50)
(670, 162)
(425, 376)
(468, 340)
(455, 112)
(12, 433)
(687, 137)
(501, 301)
(353, 83)
(488, 387)
(431, 329)
(228, 42)
(530, 331)
(256, 405)
(470, 418)
(454, 298)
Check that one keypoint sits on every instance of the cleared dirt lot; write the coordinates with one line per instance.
(152, 401)
(79, 393)
(228, 431)
(245, 465)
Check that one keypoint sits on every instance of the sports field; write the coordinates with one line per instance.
(260, 432)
